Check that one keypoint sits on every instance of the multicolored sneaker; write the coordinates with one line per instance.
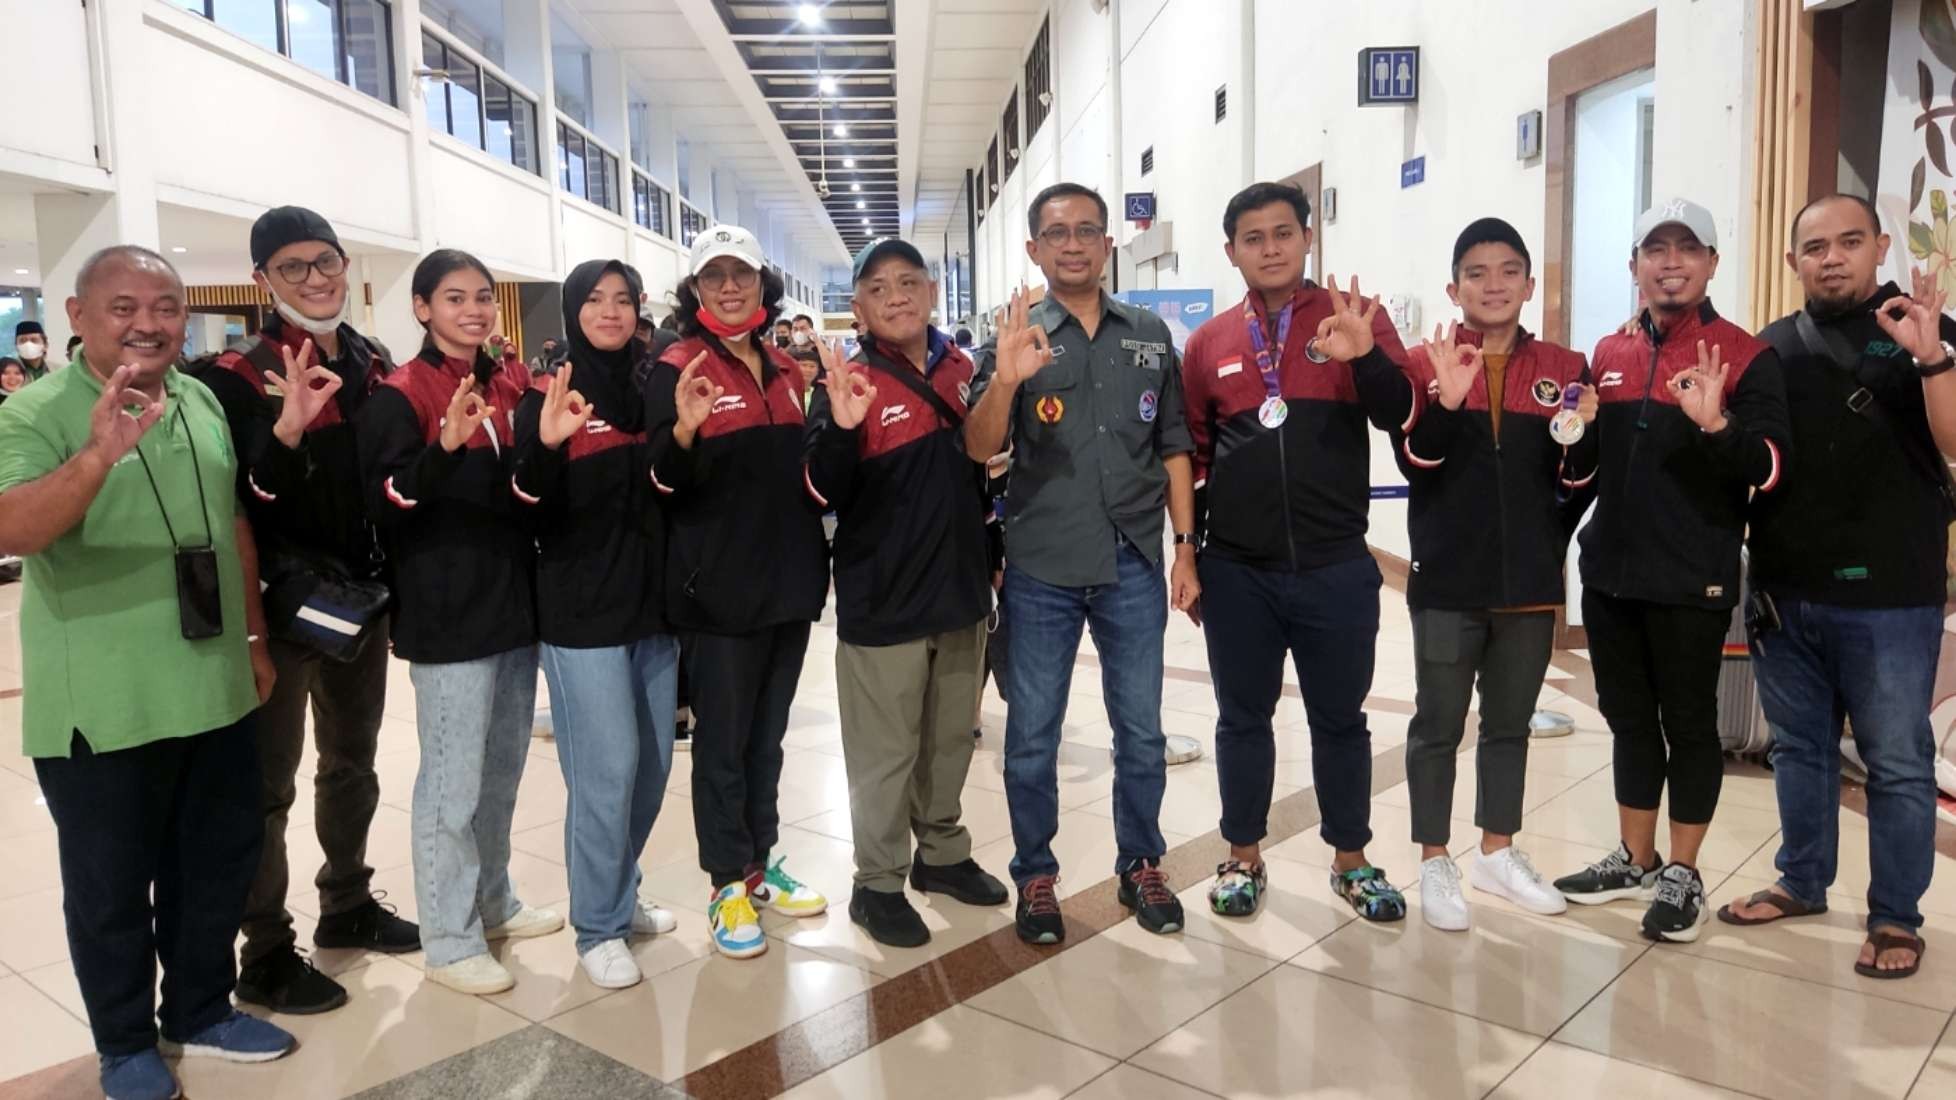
(1366, 890)
(1239, 888)
(778, 890)
(736, 927)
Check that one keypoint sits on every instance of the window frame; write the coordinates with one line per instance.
(485, 69)
(282, 34)
(608, 162)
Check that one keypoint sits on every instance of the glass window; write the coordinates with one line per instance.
(600, 169)
(570, 64)
(506, 133)
(477, 24)
(464, 100)
(367, 47)
(434, 94)
(254, 20)
(571, 157)
(310, 30)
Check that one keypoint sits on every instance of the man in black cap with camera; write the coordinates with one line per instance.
(290, 394)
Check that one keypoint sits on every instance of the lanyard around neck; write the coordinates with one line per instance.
(196, 471)
(1269, 359)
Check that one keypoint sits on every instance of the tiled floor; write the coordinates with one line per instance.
(1301, 1001)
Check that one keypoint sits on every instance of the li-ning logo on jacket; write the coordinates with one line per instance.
(1610, 378)
(730, 403)
(895, 414)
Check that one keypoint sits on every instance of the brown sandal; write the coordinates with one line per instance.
(1784, 907)
(1885, 939)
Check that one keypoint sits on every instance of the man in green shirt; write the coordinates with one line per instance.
(141, 633)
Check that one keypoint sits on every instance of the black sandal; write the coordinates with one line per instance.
(1784, 907)
(1886, 939)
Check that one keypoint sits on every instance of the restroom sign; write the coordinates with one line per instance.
(1388, 75)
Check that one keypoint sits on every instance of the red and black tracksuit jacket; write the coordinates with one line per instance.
(1295, 497)
(1490, 517)
(911, 552)
(601, 539)
(463, 554)
(309, 497)
(1670, 498)
(745, 548)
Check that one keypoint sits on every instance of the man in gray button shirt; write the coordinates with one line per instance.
(1088, 391)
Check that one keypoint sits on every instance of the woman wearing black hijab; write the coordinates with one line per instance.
(608, 655)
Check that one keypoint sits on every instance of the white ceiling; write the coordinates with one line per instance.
(977, 56)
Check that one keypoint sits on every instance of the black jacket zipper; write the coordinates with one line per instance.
(1643, 424)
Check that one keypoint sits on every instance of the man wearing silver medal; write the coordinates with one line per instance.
(1279, 390)
(1501, 427)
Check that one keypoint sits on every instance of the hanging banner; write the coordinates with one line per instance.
(1183, 309)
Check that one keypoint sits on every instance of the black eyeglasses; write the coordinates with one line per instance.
(330, 264)
(1086, 233)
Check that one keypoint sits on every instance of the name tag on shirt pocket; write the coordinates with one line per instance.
(1148, 354)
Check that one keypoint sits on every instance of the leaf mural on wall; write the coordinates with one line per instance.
(1939, 32)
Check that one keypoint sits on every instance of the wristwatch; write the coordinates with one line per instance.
(1948, 361)
(1185, 538)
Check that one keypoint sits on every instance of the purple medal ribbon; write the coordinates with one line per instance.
(1266, 362)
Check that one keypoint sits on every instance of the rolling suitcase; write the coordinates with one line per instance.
(1742, 728)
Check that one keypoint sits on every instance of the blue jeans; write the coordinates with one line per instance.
(474, 720)
(1326, 620)
(1878, 669)
(614, 707)
(1127, 619)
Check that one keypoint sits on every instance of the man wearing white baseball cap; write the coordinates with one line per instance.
(746, 566)
(1692, 421)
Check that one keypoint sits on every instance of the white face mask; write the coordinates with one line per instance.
(31, 349)
(317, 328)
(801, 338)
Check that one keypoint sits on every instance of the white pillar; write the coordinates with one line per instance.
(391, 317)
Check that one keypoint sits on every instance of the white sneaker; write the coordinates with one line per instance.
(1440, 899)
(650, 920)
(526, 923)
(475, 975)
(1508, 874)
(610, 965)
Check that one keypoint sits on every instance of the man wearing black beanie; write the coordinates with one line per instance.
(31, 344)
(1497, 463)
(290, 394)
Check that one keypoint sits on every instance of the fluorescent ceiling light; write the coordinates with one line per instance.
(20, 271)
(855, 187)
(841, 130)
(811, 15)
(179, 249)
(848, 162)
(827, 84)
(861, 205)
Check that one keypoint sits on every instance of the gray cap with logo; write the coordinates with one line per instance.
(1682, 212)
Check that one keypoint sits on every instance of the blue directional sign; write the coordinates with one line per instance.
(1140, 206)
(1412, 172)
(1388, 75)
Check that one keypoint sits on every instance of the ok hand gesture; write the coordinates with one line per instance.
(466, 412)
(695, 397)
(1915, 321)
(1346, 334)
(850, 395)
(1700, 390)
(1022, 347)
(1455, 365)
(565, 411)
(121, 415)
(306, 387)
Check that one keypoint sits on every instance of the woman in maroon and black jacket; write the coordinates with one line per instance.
(746, 570)
(612, 663)
(435, 445)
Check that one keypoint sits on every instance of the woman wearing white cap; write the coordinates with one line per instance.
(747, 566)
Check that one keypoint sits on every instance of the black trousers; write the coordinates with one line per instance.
(1657, 686)
(742, 687)
(181, 817)
(1507, 653)
(346, 701)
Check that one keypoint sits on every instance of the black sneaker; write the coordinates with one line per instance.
(287, 982)
(1144, 889)
(966, 882)
(1615, 877)
(370, 927)
(888, 918)
(1038, 914)
(1679, 911)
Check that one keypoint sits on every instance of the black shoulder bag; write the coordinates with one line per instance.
(1833, 347)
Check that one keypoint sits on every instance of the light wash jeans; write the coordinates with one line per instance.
(474, 719)
(613, 709)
